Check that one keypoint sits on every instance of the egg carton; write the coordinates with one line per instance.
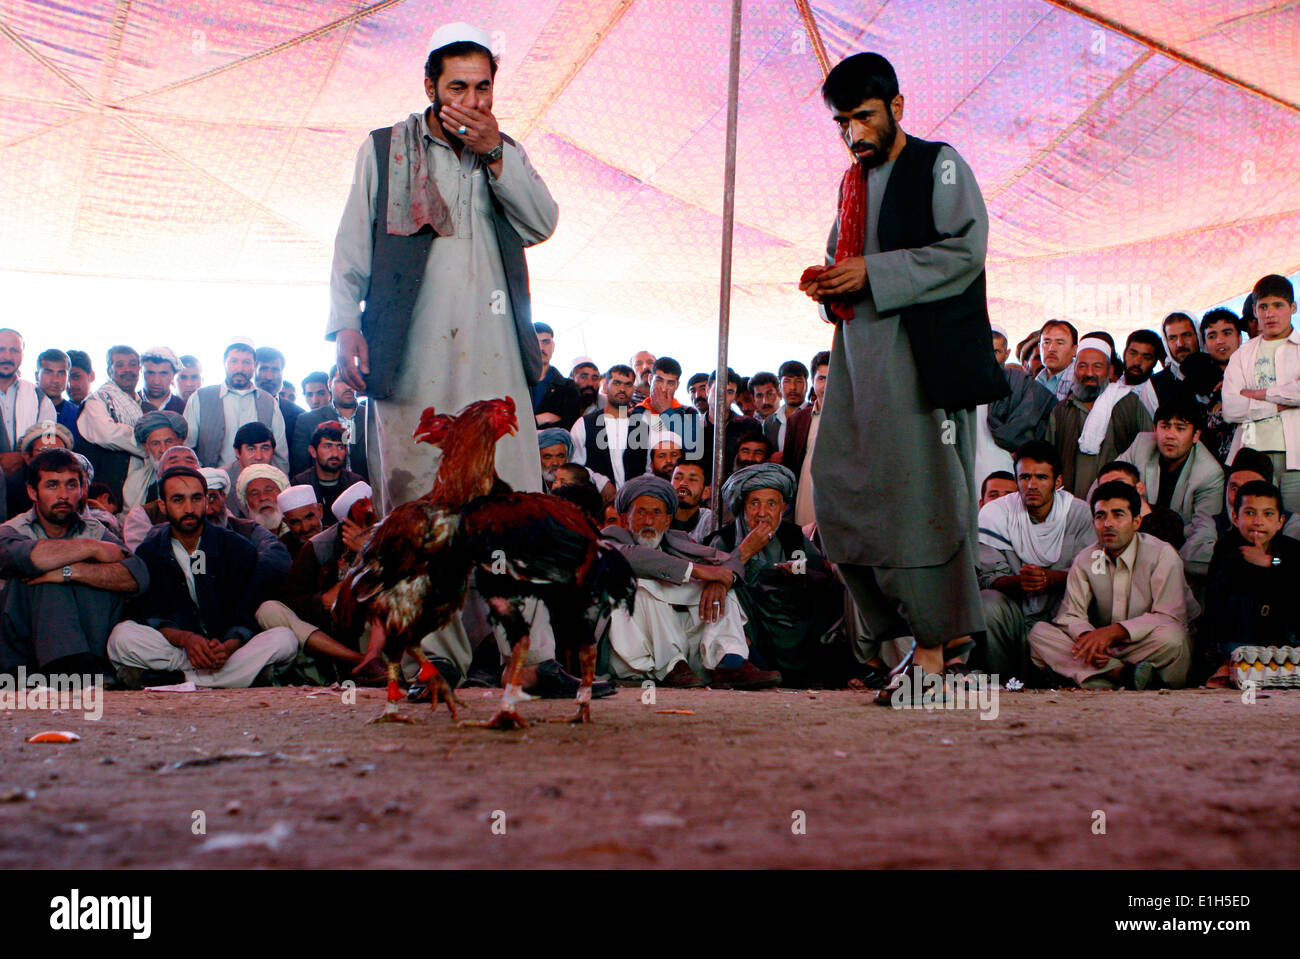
(1267, 667)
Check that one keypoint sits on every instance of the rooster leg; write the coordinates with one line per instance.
(507, 716)
(390, 714)
(439, 690)
(587, 658)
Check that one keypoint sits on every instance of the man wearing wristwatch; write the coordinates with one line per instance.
(68, 576)
(441, 207)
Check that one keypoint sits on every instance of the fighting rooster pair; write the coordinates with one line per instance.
(411, 576)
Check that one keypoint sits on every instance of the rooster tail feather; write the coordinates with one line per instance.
(610, 578)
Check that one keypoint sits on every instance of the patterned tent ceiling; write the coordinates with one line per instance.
(1135, 156)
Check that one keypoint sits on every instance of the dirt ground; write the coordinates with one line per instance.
(752, 779)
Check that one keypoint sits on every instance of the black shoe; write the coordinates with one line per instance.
(554, 683)
(133, 677)
(418, 692)
(479, 676)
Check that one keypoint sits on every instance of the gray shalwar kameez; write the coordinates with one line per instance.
(893, 478)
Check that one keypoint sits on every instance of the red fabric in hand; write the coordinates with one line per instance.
(851, 238)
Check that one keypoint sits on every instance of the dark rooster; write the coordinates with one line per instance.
(411, 575)
(535, 544)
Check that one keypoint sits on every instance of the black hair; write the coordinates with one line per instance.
(1148, 338)
(1074, 333)
(732, 377)
(704, 464)
(1116, 489)
(54, 460)
(189, 471)
(763, 379)
(585, 496)
(188, 360)
(265, 354)
(823, 358)
(1257, 488)
(1253, 461)
(792, 368)
(330, 429)
(1273, 285)
(253, 433)
(582, 364)
(863, 76)
(1221, 315)
(238, 347)
(666, 364)
(81, 360)
(99, 490)
(996, 474)
(120, 348)
(461, 48)
(699, 378)
(51, 355)
(316, 376)
(1120, 466)
(1040, 451)
(1177, 315)
(1182, 405)
(622, 369)
(543, 328)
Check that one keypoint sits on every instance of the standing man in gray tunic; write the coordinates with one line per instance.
(893, 470)
(432, 237)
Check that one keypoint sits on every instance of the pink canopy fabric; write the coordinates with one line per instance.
(1135, 156)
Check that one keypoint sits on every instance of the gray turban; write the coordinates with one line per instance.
(156, 420)
(759, 476)
(555, 437)
(645, 485)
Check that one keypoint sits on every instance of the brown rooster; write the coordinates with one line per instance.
(537, 544)
(411, 575)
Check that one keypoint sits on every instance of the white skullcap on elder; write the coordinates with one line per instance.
(296, 497)
(358, 490)
(458, 32)
(217, 479)
(1094, 343)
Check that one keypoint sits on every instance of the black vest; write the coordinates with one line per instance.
(951, 339)
(397, 269)
(598, 459)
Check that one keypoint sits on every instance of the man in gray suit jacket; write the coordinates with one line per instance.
(687, 618)
(1183, 475)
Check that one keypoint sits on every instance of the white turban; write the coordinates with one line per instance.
(259, 471)
(217, 478)
(357, 491)
(1094, 343)
(296, 497)
(458, 32)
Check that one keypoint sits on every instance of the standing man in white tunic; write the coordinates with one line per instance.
(431, 241)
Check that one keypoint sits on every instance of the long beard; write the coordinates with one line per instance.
(1136, 377)
(1084, 393)
(649, 538)
(269, 517)
(549, 476)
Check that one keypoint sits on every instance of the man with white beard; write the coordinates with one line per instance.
(258, 489)
(273, 556)
(555, 446)
(155, 432)
(687, 619)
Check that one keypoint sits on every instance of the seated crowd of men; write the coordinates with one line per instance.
(1135, 527)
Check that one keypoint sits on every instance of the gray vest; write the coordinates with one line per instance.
(212, 422)
(397, 270)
